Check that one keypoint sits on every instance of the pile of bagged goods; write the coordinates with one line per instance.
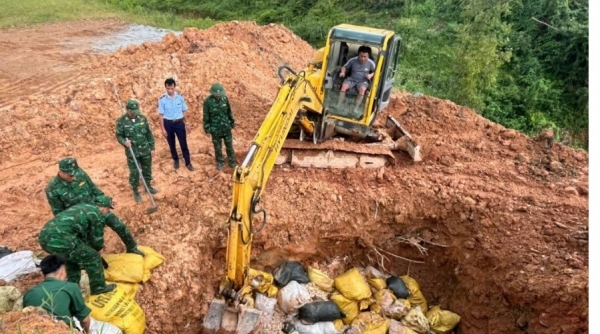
(115, 312)
(359, 301)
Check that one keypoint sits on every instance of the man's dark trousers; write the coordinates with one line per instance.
(177, 129)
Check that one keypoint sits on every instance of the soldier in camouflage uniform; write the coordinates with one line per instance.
(77, 234)
(134, 131)
(218, 122)
(71, 186)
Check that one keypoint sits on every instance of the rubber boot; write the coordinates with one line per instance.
(137, 196)
(152, 190)
(105, 289)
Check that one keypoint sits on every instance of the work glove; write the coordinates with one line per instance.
(288, 327)
(104, 263)
(135, 251)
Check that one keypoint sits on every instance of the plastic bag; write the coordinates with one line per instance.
(347, 306)
(5, 251)
(320, 279)
(260, 280)
(266, 305)
(272, 292)
(320, 311)
(152, 259)
(339, 325)
(290, 271)
(353, 285)
(17, 264)
(397, 286)
(377, 283)
(99, 327)
(371, 323)
(442, 321)
(9, 295)
(416, 296)
(292, 296)
(390, 306)
(366, 303)
(132, 268)
(398, 328)
(416, 320)
(327, 327)
(124, 267)
(117, 308)
(371, 272)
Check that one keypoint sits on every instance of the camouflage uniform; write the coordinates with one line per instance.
(137, 130)
(218, 122)
(62, 194)
(77, 234)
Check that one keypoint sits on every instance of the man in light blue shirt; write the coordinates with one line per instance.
(172, 108)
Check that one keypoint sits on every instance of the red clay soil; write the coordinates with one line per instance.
(31, 323)
(501, 220)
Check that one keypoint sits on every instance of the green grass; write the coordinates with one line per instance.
(18, 13)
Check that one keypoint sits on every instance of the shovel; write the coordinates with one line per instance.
(154, 207)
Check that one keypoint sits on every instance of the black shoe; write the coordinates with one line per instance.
(232, 164)
(105, 289)
(176, 163)
(153, 190)
(137, 196)
(190, 167)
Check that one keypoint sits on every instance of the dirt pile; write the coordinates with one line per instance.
(499, 219)
(31, 322)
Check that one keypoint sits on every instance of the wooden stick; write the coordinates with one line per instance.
(400, 257)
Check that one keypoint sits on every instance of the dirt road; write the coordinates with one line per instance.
(44, 60)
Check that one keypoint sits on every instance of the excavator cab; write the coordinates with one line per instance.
(343, 44)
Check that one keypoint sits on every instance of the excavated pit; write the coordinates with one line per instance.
(503, 217)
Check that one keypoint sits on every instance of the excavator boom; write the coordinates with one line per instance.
(249, 181)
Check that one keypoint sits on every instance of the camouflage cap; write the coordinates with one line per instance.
(217, 90)
(103, 201)
(133, 106)
(68, 165)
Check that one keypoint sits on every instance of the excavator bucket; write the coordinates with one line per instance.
(223, 319)
(402, 139)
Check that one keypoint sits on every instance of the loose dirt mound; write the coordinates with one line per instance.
(502, 218)
(31, 323)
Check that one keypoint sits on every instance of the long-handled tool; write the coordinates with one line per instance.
(154, 207)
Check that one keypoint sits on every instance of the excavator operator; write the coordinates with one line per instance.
(362, 70)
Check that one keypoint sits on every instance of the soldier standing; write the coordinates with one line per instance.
(77, 234)
(134, 131)
(218, 122)
(71, 186)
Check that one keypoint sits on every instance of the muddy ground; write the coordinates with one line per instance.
(502, 217)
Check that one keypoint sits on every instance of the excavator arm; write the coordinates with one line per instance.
(296, 94)
(296, 97)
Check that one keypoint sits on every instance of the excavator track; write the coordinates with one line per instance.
(335, 154)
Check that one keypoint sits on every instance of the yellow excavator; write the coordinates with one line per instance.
(306, 106)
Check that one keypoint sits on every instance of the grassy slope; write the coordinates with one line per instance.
(16, 13)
